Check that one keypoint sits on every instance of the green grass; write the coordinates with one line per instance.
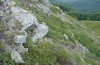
(56, 27)
(46, 53)
(5, 59)
(54, 9)
(92, 25)
(87, 42)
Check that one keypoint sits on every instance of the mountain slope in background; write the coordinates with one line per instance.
(84, 6)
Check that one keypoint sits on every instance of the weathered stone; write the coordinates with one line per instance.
(40, 31)
(12, 4)
(21, 49)
(30, 5)
(66, 37)
(20, 39)
(5, 2)
(8, 12)
(24, 18)
(34, 0)
(44, 8)
(47, 2)
(1, 13)
(27, 20)
(7, 48)
(2, 35)
(16, 57)
(11, 24)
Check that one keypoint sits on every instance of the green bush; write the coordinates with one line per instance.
(54, 9)
(1, 3)
(5, 59)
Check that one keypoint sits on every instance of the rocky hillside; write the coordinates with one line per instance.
(34, 32)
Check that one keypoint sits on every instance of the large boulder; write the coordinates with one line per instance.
(25, 18)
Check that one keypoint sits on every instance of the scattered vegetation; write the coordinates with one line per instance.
(87, 42)
(46, 53)
(2, 27)
(5, 59)
(1, 3)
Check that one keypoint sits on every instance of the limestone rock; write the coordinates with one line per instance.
(20, 16)
(23, 17)
(5, 2)
(30, 5)
(66, 37)
(12, 4)
(20, 39)
(1, 13)
(46, 1)
(7, 12)
(27, 20)
(44, 8)
(21, 49)
(34, 0)
(16, 57)
(41, 31)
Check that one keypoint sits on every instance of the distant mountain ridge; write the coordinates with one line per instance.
(86, 6)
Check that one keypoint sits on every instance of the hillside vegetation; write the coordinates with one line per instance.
(83, 6)
(67, 42)
(95, 16)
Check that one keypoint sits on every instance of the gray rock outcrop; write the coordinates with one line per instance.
(16, 57)
(17, 22)
(20, 39)
(25, 20)
(44, 8)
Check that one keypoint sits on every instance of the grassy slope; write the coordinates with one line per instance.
(57, 28)
(93, 25)
(46, 53)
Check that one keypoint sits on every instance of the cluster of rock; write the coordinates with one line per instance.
(44, 8)
(17, 21)
(38, 6)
